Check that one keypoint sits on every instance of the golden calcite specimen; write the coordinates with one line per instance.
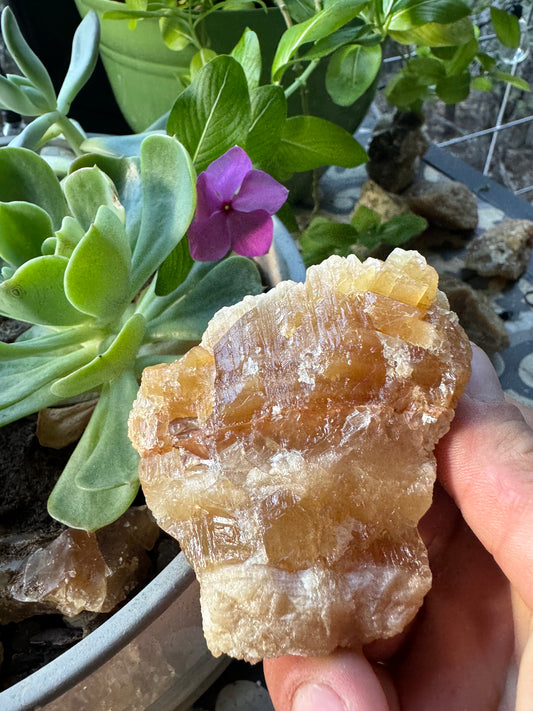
(291, 454)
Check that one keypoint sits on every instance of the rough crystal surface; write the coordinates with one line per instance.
(291, 453)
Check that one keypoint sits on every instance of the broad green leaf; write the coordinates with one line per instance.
(320, 25)
(103, 451)
(394, 232)
(248, 53)
(35, 293)
(487, 62)
(225, 284)
(23, 229)
(301, 10)
(97, 278)
(108, 366)
(86, 190)
(425, 70)
(168, 204)
(85, 46)
(413, 13)
(481, 84)
(13, 98)
(308, 142)
(127, 146)
(26, 60)
(462, 59)
(324, 237)
(454, 89)
(174, 32)
(506, 26)
(434, 34)
(269, 113)
(404, 92)
(20, 377)
(27, 177)
(174, 269)
(213, 114)
(351, 71)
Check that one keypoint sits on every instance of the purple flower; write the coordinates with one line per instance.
(234, 208)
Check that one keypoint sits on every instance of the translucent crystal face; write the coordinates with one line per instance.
(291, 454)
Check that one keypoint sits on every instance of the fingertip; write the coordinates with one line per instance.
(344, 681)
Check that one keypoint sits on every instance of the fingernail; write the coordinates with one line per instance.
(315, 697)
(484, 385)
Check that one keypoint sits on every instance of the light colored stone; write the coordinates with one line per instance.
(503, 250)
(291, 453)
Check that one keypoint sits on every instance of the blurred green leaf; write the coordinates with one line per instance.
(213, 113)
(407, 14)
(85, 46)
(365, 219)
(13, 98)
(454, 89)
(27, 177)
(26, 60)
(200, 59)
(103, 459)
(324, 237)
(97, 278)
(23, 229)
(174, 32)
(462, 58)
(481, 84)
(35, 293)
(506, 26)
(168, 204)
(393, 232)
(434, 34)
(517, 82)
(351, 71)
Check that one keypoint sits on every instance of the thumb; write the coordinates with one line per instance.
(486, 464)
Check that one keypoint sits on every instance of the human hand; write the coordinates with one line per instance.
(474, 633)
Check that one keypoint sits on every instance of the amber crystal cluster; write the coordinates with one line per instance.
(291, 453)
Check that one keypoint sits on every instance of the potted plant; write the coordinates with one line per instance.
(98, 264)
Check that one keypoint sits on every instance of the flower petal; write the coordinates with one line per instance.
(259, 191)
(250, 232)
(209, 239)
(207, 201)
(227, 172)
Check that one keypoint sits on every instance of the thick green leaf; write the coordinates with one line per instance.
(200, 59)
(108, 366)
(27, 61)
(351, 71)
(128, 146)
(86, 190)
(213, 114)
(174, 32)
(454, 89)
(27, 177)
(103, 458)
(85, 46)
(23, 229)
(36, 133)
(168, 204)
(66, 238)
(248, 53)
(47, 341)
(506, 26)
(322, 24)
(13, 98)
(407, 14)
(434, 34)
(175, 269)
(223, 285)
(35, 293)
(20, 377)
(97, 278)
(269, 113)
(308, 142)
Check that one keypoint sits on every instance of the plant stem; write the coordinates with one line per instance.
(284, 11)
(72, 134)
(301, 79)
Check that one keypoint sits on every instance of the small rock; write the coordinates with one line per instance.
(386, 204)
(503, 250)
(395, 150)
(476, 314)
(447, 204)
